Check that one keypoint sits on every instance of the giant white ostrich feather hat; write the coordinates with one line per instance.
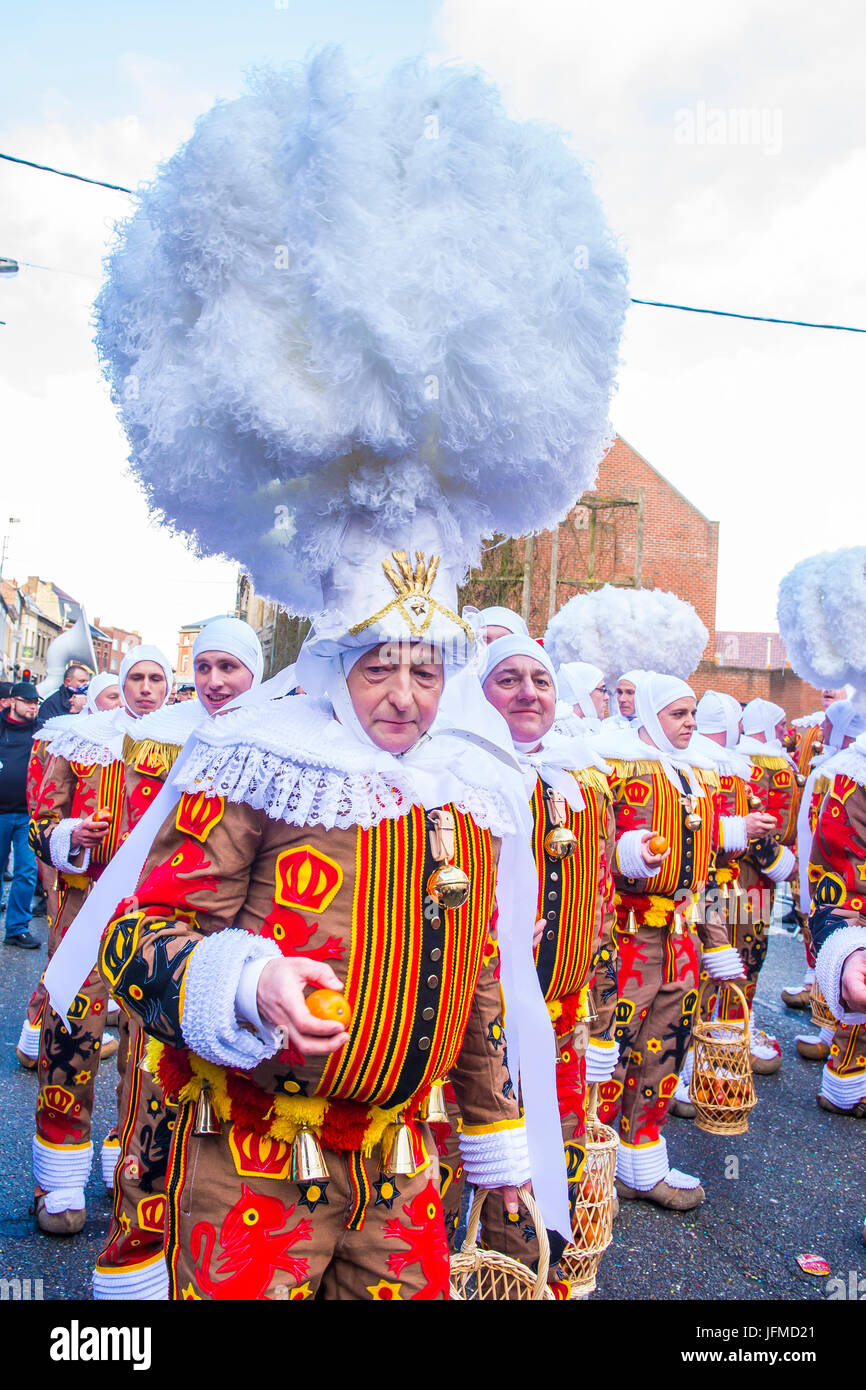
(623, 629)
(352, 318)
(822, 619)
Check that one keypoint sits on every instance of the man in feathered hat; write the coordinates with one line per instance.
(351, 394)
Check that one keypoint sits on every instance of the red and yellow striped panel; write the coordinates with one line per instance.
(668, 821)
(390, 952)
(578, 885)
(112, 786)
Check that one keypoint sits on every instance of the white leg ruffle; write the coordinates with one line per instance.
(28, 1043)
(844, 1091)
(147, 1281)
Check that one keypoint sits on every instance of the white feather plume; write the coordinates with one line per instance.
(342, 299)
(626, 629)
(822, 618)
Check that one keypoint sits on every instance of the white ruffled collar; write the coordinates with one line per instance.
(624, 744)
(293, 759)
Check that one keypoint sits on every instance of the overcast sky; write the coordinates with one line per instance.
(729, 151)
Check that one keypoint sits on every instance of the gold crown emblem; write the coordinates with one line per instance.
(412, 597)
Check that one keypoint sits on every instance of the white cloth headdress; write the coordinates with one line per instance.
(143, 653)
(577, 680)
(502, 617)
(96, 687)
(236, 637)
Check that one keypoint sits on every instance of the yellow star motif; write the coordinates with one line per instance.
(82, 1078)
(383, 1292)
(302, 1291)
(189, 1294)
(654, 1045)
(124, 1221)
(861, 870)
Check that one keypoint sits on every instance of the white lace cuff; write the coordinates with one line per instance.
(496, 1159)
(723, 963)
(831, 962)
(60, 848)
(781, 870)
(601, 1060)
(732, 834)
(628, 855)
(209, 1022)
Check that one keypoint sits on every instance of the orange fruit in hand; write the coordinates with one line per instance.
(329, 1004)
(657, 844)
(102, 815)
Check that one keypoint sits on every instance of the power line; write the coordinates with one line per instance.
(754, 318)
(47, 168)
(651, 303)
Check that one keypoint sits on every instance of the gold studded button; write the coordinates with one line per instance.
(428, 1013)
(432, 981)
(554, 878)
(551, 897)
(436, 923)
(550, 935)
(436, 954)
(423, 1044)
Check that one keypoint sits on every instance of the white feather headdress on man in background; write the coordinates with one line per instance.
(623, 630)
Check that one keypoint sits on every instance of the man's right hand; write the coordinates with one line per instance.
(281, 1003)
(758, 824)
(89, 832)
(652, 861)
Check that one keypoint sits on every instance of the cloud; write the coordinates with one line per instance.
(84, 522)
(728, 151)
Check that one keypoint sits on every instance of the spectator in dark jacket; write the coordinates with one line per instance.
(70, 698)
(18, 724)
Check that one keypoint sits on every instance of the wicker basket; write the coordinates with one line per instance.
(593, 1217)
(490, 1275)
(721, 1087)
(821, 1015)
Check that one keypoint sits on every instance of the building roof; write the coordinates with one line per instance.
(197, 627)
(759, 651)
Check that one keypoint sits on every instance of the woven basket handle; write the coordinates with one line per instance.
(592, 1102)
(726, 984)
(526, 1197)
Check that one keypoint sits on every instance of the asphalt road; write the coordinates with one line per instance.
(799, 1186)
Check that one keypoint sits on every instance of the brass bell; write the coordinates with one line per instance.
(560, 842)
(206, 1121)
(308, 1161)
(724, 893)
(398, 1154)
(433, 1109)
(694, 821)
(677, 928)
(449, 885)
(801, 781)
(755, 802)
(631, 923)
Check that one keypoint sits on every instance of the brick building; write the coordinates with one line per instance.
(112, 644)
(637, 530)
(634, 529)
